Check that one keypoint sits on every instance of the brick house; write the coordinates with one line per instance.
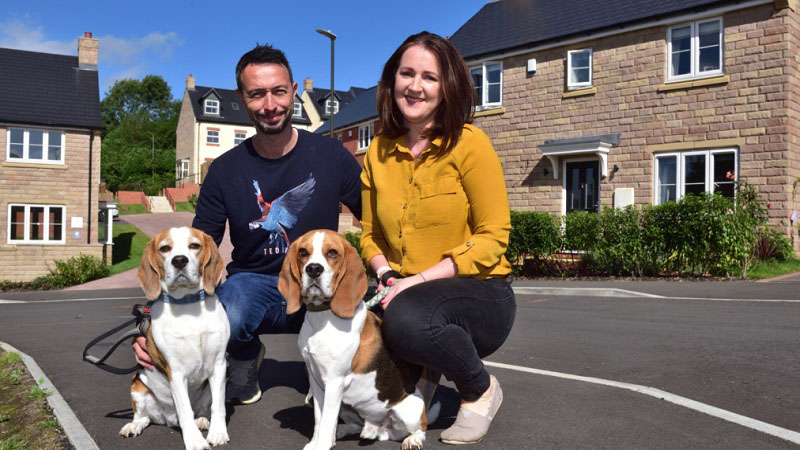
(211, 122)
(592, 104)
(356, 124)
(50, 162)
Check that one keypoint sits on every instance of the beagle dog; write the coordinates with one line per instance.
(341, 343)
(186, 340)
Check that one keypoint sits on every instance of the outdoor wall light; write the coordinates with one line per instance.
(615, 169)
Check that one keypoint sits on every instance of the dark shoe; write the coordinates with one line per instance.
(242, 387)
(471, 427)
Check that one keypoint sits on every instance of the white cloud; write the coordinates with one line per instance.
(117, 50)
(23, 36)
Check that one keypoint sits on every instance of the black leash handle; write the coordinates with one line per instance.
(100, 362)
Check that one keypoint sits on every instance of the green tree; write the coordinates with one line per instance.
(139, 118)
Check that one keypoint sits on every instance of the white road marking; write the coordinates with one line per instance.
(783, 433)
(624, 293)
(69, 300)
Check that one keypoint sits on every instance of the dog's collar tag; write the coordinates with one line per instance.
(185, 300)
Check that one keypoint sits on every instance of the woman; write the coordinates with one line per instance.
(435, 227)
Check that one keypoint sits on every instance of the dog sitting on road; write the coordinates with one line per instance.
(341, 343)
(186, 340)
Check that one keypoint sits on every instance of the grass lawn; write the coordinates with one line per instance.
(184, 207)
(769, 269)
(132, 208)
(129, 243)
(26, 420)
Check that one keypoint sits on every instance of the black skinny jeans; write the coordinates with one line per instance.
(450, 324)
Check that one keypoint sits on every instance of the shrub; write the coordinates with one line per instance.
(354, 238)
(772, 244)
(581, 230)
(533, 234)
(193, 201)
(620, 248)
(77, 270)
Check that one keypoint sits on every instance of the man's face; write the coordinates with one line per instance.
(268, 94)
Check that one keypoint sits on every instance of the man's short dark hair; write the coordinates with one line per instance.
(261, 54)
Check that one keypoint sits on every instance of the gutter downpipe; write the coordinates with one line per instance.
(89, 209)
(620, 30)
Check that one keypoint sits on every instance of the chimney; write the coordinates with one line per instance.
(308, 85)
(190, 83)
(87, 52)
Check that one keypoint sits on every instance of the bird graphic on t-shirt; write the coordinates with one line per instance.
(281, 214)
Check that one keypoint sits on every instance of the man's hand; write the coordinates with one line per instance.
(140, 352)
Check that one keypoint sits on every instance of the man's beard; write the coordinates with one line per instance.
(273, 129)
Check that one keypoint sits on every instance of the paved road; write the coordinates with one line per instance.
(740, 356)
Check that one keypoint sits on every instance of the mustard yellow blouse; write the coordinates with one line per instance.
(456, 205)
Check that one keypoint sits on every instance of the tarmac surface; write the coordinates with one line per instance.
(589, 364)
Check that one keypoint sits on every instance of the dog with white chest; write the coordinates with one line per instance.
(349, 369)
(186, 340)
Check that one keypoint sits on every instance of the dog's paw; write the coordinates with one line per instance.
(217, 436)
(194, 441)
(130, 430)
(202, 423)
(413, 442)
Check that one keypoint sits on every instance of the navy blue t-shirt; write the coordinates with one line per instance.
(271, 202)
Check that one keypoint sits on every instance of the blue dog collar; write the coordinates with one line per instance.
(186, 300)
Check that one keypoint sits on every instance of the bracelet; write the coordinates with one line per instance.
(380, 270)
(390, 274)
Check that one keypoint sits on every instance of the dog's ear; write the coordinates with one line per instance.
(289, 280)
(151, 270)
(211, 264)
(351, 284)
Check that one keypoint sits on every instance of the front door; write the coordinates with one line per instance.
(583, 186)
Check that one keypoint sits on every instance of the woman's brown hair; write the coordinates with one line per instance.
(453, 111)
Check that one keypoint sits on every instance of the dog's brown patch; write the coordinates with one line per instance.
(423, 422)
(158, 359)
(393, 380)
(137, 386)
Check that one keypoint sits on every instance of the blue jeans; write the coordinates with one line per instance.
(449, 325)
(254, 307)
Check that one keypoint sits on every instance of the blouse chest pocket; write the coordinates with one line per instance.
(439, 202)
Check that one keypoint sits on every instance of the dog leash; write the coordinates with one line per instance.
(141, 314)
(377, 297)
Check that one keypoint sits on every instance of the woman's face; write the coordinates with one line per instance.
(417, 86)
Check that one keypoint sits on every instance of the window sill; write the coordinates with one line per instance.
(580, 92)
(35, 165)
(490, 112)
(677, 85)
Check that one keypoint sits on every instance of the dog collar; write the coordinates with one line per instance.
(185, 300)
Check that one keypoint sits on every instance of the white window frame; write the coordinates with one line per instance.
(297, 109)
(695, 71)
(26, 146)
(571, 84)
(365, 135)
(211, 107)
(328, 106)
(239, 137)
(680, 170)
(212, 139)
(484, 101)
(182, 169)
(46, 225)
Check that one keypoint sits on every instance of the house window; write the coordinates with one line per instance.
(488, 82)
(693, 172)
(695, 49)
(182, 169)
(212, 107)
(365, 135)
(579, 68)
(298, 109)
(328, 106)
(35, 146)
(212, 137)
(239, 137)
(35, 224)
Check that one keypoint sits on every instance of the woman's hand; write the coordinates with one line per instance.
(140, 352)
(399, 285)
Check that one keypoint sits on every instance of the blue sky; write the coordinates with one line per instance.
(206, 39)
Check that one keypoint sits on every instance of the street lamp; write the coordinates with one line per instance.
(329, 34)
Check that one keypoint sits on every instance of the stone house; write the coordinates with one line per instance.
(320, 104)
(592, 104)
(356, 124)
(50, 161)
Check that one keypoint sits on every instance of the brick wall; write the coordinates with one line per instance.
(181, 194)
(132, 198)
(750, 109)
(65, 185)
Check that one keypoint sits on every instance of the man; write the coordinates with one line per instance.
(270, 189)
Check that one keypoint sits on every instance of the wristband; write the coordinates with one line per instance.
(390, 274)
(380, 270)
